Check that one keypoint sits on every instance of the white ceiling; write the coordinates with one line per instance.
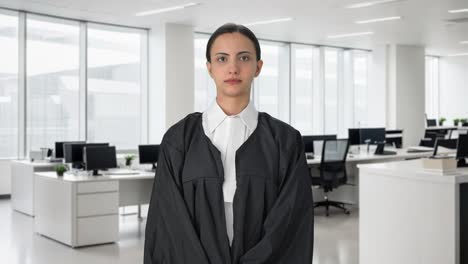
(424, 21)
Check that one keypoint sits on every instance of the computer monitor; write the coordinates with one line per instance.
(99, 158)
(359, 136)
(431, 122)
(462, 150)
(59, 148)
(148, 154)
(73, 152)
(309, 141)
(446, 143)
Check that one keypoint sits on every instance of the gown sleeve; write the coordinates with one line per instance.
(170, 236)
(288, 229)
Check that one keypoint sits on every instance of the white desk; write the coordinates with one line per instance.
(22, 183)
(410, 215)
(83, 210)
(350, 193)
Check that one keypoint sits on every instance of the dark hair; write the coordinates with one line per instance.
(231, 28)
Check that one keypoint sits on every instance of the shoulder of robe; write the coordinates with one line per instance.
(286, 136)
(181, 131)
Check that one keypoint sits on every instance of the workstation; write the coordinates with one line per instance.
(92, 90)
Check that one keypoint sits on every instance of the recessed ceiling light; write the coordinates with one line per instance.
(269, 21)
(167, 9)
(458, 10)
(350, 35)
(378, 20)
(464, 42)
(371, 3)
(458, 54)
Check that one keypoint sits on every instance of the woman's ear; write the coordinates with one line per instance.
(208, 67)
(259, 67)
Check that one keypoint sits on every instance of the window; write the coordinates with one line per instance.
(271, 87)
(8, 85)
(114, 95)
(331, 61)
(52, 81)
(205, 88)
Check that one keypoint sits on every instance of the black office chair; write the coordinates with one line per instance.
(431, 122)
(446, 143)
(430, 139)
(332, 171)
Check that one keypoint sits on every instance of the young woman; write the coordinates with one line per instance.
(232, 184)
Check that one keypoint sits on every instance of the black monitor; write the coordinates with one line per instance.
(148, 154)
(431, 122)
(73, 152)
(309, 141)
(59, 153)
(99, 158)
(359, 136)
(462, 150)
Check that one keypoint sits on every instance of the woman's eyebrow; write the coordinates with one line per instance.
(239, 53)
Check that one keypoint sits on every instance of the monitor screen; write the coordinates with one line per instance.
(359, 136)
(309, 141)
(59, 153)
(148, 154)
(462, 146)
(73, 152)
(99, 157)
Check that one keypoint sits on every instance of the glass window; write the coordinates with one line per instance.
(331, 90)
(360, 76)
(114, 94)
(271, 87)
(205, 88)
(52, 85)
(303, 88)
(8, 85)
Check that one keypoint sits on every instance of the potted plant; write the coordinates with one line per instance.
(441, 121)
(456, 121)
(61, 169)
(128, 159)
(463, 121)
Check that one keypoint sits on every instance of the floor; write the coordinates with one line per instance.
(336, 241)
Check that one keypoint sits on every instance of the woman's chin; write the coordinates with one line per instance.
(234, 92)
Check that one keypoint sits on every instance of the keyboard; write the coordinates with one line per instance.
(388, 152)
(120, 172)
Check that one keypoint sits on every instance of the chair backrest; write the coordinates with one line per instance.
(431, 122)
(446, 143)
(430, 139)
(333, 165)
(335, 150)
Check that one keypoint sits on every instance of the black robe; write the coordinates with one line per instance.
(273, 208)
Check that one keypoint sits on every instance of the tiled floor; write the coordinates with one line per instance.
(336, 241)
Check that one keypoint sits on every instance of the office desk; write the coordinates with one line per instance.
(350, 193)
(22, 183)
(84, 210)
(409, 215)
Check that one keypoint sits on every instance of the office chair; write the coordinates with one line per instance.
(431, 122)
(430, 139)
(332, 171)
(446, 143)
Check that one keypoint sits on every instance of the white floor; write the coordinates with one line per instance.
(336, 241)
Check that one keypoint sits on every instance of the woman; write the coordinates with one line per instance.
(232, 184)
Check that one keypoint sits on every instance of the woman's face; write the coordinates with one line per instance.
(233, 64)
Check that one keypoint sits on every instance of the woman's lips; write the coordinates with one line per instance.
(233, 81)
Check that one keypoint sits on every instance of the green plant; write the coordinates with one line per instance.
(463, 120)
(442, 120)
(61, 169)
(456, 121)
(128, 159)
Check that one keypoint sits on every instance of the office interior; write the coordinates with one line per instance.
(380, 83)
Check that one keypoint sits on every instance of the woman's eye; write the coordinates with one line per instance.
(221, 59)
(244, 58)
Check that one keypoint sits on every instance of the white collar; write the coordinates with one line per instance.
(216, 115)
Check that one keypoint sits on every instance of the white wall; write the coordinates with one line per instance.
(406, 91)
(453, 91)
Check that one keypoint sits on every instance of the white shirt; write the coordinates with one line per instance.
(228, 133)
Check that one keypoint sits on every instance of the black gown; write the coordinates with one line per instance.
(273, 207)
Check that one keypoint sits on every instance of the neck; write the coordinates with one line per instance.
(232, 105)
